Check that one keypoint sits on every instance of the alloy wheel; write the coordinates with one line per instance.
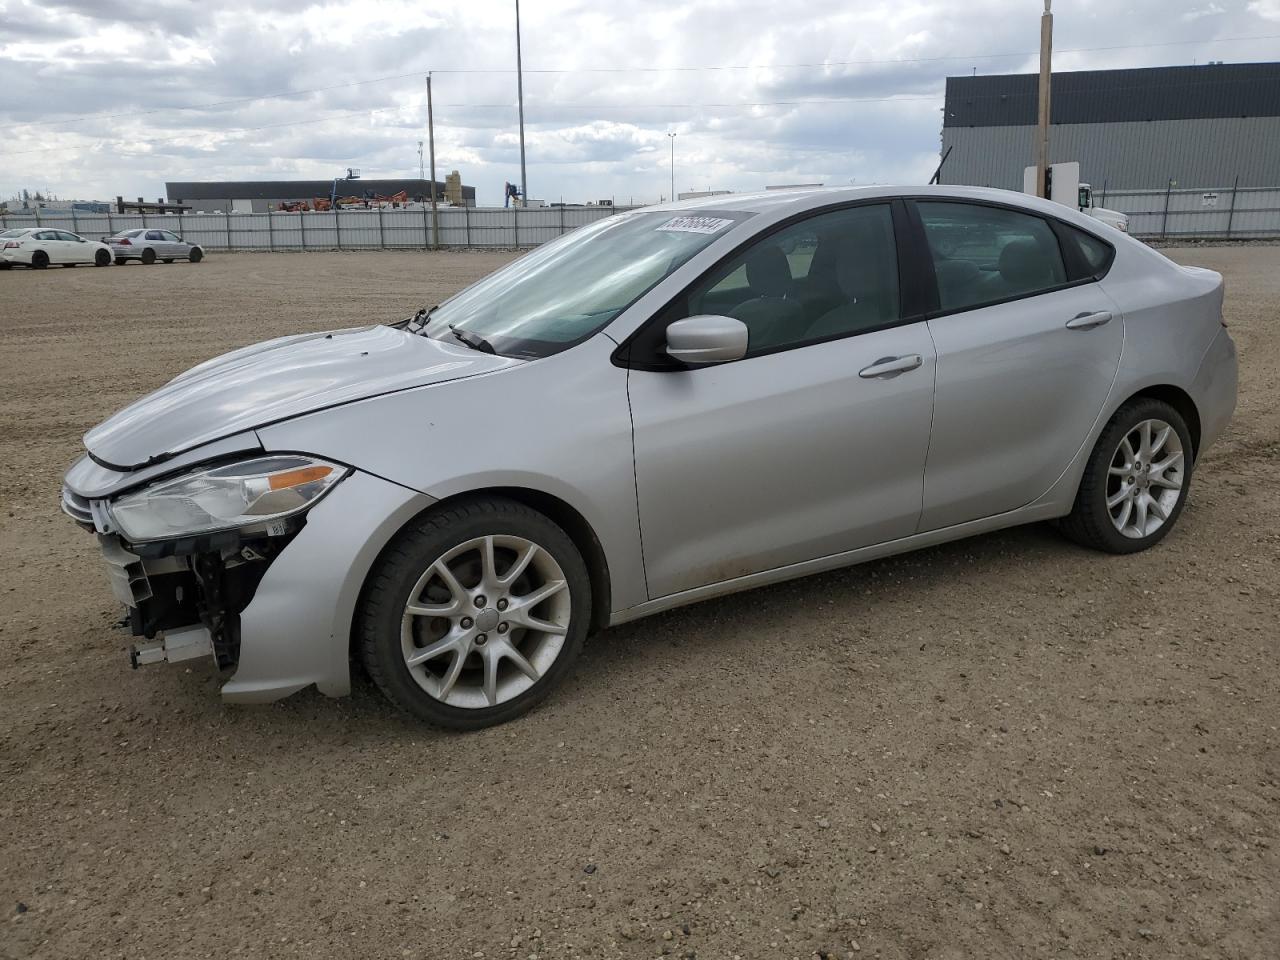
(1145, 478)
(485, 621)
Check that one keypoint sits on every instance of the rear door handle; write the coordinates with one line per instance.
(1087, 321)
(887, 366)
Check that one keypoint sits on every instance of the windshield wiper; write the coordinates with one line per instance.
(416, 323)
(471, 340)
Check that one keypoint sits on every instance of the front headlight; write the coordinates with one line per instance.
(249, 493)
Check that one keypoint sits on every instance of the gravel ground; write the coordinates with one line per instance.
(1005, 747)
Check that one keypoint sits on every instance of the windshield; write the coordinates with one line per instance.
(568, 289)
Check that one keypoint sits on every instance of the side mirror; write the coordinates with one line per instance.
(707, 339)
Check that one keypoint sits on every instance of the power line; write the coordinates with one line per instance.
(621, 70)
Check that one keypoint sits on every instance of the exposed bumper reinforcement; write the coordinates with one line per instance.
(177, 645)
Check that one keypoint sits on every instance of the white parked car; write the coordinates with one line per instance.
(39, 247)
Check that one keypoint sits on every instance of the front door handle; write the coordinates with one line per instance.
(1087, 321)
(887, 366)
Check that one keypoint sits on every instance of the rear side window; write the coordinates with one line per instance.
(1093, 256)
(987, 254)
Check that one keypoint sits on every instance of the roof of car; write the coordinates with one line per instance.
(780, 204)
(803, 198)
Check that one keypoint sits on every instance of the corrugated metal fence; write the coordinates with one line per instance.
(385, 229)
(1247, 213)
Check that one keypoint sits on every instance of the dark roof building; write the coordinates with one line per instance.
(1201, 126)
(258, 196)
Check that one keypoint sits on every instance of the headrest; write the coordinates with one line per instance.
(768, 273)
(1023, 264)
(860, 264)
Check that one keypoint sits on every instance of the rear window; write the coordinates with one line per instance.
(983, 254)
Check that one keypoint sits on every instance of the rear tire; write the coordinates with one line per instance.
(196, 256)
(527, 660)
(120, 261)
(148, 256)
(102, 259)
(168, 260)
(1117, 474)
(39, 260)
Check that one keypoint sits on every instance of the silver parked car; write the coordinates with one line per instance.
(667, 405)
(150, 245)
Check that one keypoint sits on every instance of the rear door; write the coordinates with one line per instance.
(155, 239)
(814, 443)
(1028, 346)
(54, 248)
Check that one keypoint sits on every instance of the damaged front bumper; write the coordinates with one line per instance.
(273, 609)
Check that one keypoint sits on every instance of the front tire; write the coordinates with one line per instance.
(1135, 484)
(474, 613)
(196, 256)
(102, 259)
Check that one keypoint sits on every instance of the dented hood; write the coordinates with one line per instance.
(275, 380)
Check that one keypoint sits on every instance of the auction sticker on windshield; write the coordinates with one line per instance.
(695, 225)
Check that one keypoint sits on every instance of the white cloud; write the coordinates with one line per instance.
(723, 75)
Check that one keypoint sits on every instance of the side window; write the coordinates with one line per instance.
(62, 235)
(832, 275)
(984, 254)
(1093, 256)
(172, 237)
(154, 235)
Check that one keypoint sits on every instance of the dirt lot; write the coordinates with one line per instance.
(1006, 747)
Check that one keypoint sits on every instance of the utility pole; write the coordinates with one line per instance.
(1042, 128)
(672, 139)
(431, 138)
(524, 183)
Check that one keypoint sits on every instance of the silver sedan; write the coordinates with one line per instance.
(150, 244)
(668, 405)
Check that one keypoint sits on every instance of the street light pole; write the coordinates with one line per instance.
(421, 173)
(1042, 127)
(524, 183)
(672, 138)
(431, 147)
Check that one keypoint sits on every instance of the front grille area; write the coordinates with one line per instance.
(77, 508)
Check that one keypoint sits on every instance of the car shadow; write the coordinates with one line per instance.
(716, 627)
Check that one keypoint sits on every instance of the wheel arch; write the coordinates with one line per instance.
(572, 522)
(1181, 401)
(559, 512)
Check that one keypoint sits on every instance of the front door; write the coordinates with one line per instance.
(815, 442)
(1027, 353)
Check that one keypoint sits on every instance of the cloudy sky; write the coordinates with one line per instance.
(106, 97)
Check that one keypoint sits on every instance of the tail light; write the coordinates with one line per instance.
(12, 244)
(124, 242)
